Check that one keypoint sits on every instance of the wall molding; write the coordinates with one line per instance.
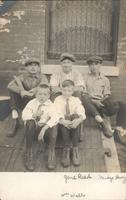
(51, 69)
(107, 70)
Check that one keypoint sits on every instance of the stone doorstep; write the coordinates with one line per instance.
(112, 163)
(50, 69)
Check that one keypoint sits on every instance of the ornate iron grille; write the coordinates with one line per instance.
(82, 27)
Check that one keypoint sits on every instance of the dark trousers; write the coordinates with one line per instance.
(70, 135)
(17, 102)
(121, 115)
(32, 131)
(5, 109)
(110, 107)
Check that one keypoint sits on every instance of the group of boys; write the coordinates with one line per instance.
(61, 105)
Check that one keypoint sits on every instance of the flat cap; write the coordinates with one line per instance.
(67, 56)
(94, 59)
(32, 60)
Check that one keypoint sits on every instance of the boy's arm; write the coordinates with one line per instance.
(79, 82)
(80, 110)
(107, 88)
(44, 80)
(14, 86)
(54, 82)
(27, 113)
(54, 117)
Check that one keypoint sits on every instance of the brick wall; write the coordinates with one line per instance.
(119, 84)
(121, 57)
(23, 34)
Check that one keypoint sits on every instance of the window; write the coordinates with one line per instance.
(82, 27)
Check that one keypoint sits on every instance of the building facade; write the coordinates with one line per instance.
(48, 28)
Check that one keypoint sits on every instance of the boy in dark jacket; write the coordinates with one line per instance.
(22, 89)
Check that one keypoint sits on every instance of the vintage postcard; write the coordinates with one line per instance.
(62, 99)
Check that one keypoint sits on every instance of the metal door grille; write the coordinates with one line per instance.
(82, 27)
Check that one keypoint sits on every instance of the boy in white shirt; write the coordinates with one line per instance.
(72, 113)
(40, 116)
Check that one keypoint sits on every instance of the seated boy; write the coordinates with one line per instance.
(22, 89)
(67, 72)
(72, 114)
(98, 88)
(40, 119)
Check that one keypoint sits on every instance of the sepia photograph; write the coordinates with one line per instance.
(62, 86)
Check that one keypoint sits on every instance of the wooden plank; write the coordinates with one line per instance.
(16, 162)
(89, 149)
(5, 155)
(112, 163)
(121, 149)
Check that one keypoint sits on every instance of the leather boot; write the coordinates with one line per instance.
(75, 156)
(106, 127)
(66, 157)
(13, 128)
(28, 161)
(51, 159)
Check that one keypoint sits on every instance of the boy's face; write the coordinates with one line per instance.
(43, 94)
(95, 68)
(33, 68)
(66, 65)
(67, 91)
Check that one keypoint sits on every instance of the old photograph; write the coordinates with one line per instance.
(62, 86)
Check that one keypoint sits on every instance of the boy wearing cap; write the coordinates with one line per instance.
(67, 72)
(98, 88)
(22, 89)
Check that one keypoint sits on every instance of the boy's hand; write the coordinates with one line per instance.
(98, 103)
(75, 123)
(33, 91)
(66, 123)
(42, 133)
(25, 93)
(36, 117)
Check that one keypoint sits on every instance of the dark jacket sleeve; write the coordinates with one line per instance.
(13, 86)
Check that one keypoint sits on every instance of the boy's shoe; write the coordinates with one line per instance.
(51, 159)
(75, 156)
(28, 160)
(13, 129)
(106, 127)
(66, 157)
